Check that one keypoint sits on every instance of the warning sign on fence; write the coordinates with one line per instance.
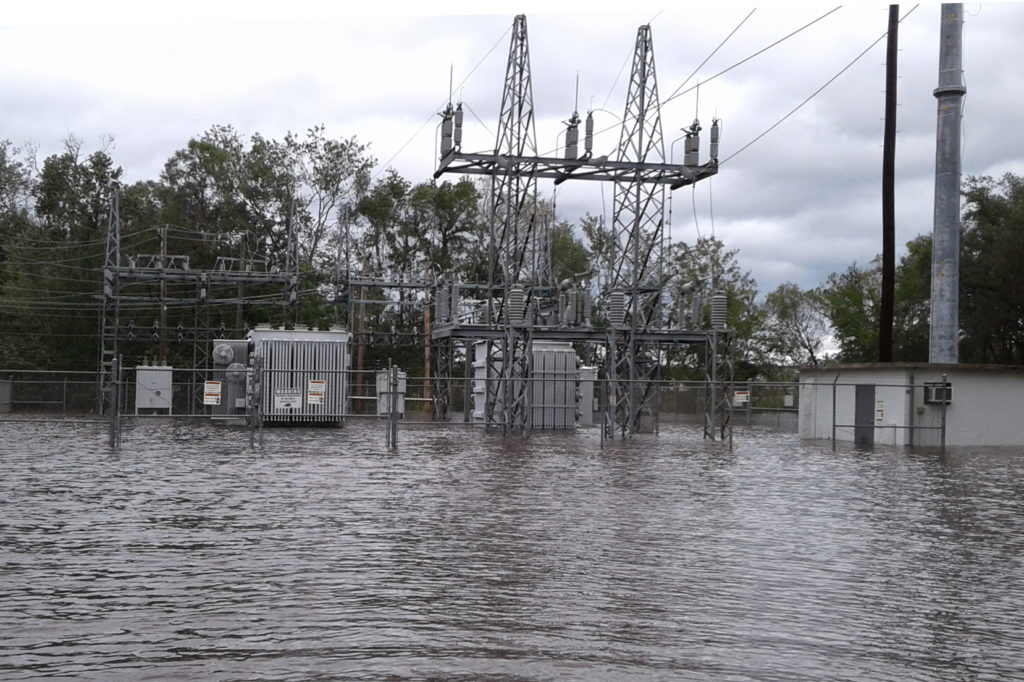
(287, 398)
(740, 397)
(315, 392)
(211, 393)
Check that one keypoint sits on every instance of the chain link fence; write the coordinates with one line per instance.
(64, 394)
(182, 393)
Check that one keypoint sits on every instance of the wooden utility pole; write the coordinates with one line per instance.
(885, 315)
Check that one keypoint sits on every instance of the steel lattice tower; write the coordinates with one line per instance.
(516, 259)
(638, 222)
(523, 303)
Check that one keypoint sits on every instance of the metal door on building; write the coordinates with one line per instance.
(864, 416)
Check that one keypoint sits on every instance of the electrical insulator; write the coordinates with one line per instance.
(588, 137)
(458, 126)
(181, 332)
(442, 303)
(516, 304)
(572, 137)
(446, 131)
(715, 133)
(719, 310)
(617, 308)
(156, 331)
(692, 145)
(131, 330)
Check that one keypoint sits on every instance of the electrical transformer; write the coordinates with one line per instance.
(554, 384)
(226, 390)
(303, 374)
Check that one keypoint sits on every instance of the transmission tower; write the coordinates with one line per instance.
(638, 223)
(523, 302)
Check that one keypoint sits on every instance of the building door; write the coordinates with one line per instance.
(864, 416)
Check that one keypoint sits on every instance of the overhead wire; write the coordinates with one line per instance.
(387, 163)
(756, 54)
(680, 92)
(713, 53)
(478, 119)
(815, 93)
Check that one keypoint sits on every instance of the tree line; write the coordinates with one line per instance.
(311, 203)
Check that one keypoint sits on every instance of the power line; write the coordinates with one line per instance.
(815, 93)
(713, 53)
(383, 167)
(678, 92)
(756, 54)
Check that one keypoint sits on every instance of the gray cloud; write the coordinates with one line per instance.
(799, 203)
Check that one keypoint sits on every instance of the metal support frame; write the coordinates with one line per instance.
(164, 268)
(443, 356)
(110, 309)
(718, 368)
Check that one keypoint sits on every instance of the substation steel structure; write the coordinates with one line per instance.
(522, 301)
(163, 269)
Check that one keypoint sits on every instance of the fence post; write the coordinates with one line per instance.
(834, 412)
(394, 406)
(255, 403)
(945, 401)
(750, 403)
(115, 402)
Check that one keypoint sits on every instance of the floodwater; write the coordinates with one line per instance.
(461, 556)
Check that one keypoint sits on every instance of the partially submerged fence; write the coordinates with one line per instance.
(255, 396)
(876, 411)
(179, 392)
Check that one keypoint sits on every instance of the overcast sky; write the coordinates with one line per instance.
(803, 201)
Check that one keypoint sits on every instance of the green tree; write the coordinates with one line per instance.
(600, 242)
(52, 256)
(852, 300)
(331, 175)
(449, 219)
(72, 194)
(16, 197)
(570, 258)
(991, 297)
(708, 266)
(795, 327)
(911, 308)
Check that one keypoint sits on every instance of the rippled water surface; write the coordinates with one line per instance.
(461, 556)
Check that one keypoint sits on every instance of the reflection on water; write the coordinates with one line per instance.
(465, 557)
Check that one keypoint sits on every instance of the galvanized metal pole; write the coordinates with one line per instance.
(945, 294)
